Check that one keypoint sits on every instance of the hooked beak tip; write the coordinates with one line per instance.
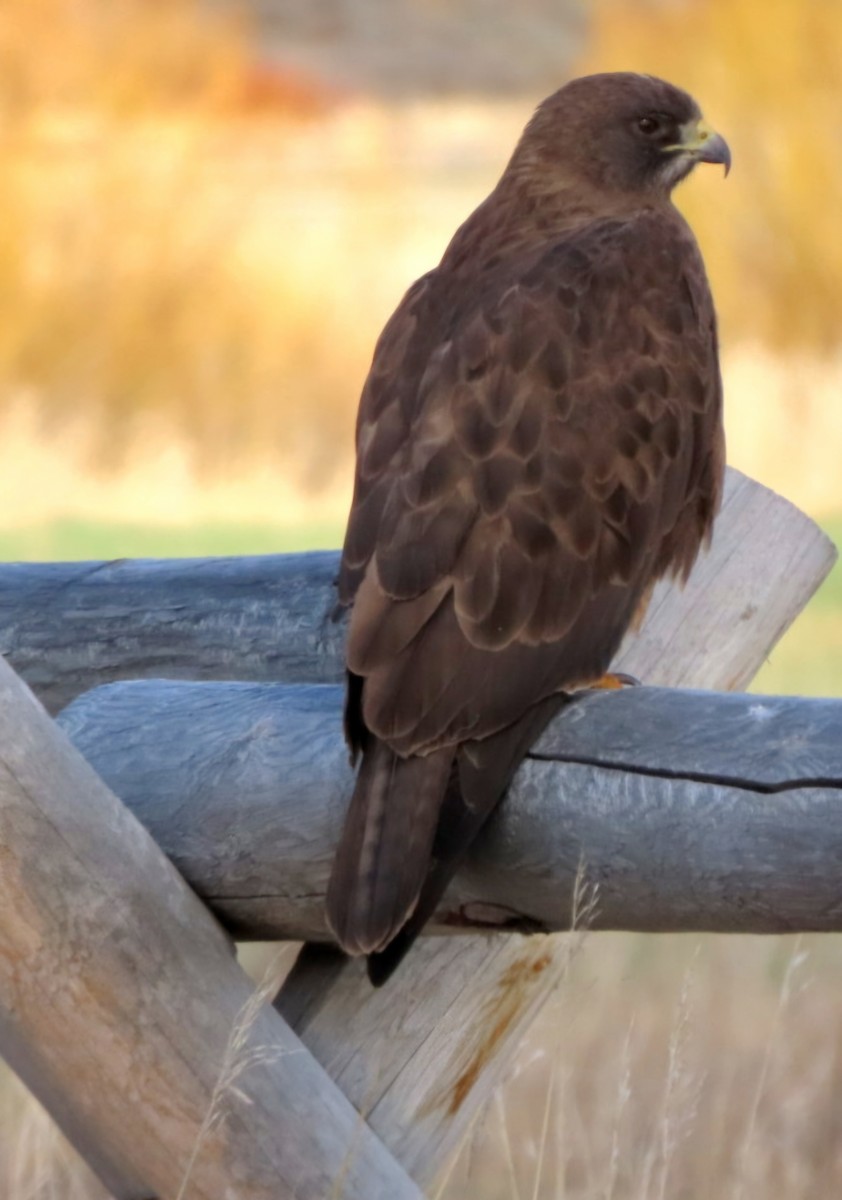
(706, 145)
(715, 150)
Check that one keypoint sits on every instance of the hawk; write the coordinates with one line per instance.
(539, 440)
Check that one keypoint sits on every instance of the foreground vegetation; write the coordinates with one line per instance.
(667, 1067)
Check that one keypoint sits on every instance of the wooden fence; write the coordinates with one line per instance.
(204, 694)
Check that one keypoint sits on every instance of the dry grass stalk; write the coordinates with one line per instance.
(624, 1092)
(744, 1158)
(500, 1105)
(680, 1095)
(239, 1058)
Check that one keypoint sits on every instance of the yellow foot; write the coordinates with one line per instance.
(613, 681)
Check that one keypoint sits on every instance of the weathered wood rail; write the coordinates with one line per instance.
(690, 810)
(67, 627)
(118, 991)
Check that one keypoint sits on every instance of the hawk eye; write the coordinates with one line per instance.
(649, 125)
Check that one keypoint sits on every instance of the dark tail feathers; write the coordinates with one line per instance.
(483, 772)
(384, 853)
(409, 826)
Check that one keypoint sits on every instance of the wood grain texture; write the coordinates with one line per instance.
(119, 995)
(765, 562)
(689, 809)
(68, 627)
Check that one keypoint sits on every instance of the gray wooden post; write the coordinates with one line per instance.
(120, 1001)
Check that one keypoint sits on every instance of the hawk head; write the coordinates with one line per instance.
(619, 133)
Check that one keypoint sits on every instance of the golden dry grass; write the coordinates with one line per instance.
(138, 161)
(675, 1066)
(197, 254)
(767, 74)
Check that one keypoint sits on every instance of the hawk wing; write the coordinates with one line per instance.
(537, 443)
(532, 455)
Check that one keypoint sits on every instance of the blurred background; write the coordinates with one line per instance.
(208, 212)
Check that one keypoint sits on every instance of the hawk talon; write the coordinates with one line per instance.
(614, 681)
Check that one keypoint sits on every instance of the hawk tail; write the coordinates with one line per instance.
(472, 792)
(384, 852)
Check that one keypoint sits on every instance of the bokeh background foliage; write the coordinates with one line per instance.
(767, 74)
(201, 241)
(208, 211)
(128, 147)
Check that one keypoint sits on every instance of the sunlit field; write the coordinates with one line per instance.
(197, 254)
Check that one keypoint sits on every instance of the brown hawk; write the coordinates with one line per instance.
(539, 440)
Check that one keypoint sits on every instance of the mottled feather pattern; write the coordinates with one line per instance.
(531, 453)
(539, 440)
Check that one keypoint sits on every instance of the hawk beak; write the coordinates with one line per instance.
(704, 143)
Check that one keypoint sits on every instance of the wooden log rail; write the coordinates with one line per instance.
(67, 627)
(689, 810)
(119, 996)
